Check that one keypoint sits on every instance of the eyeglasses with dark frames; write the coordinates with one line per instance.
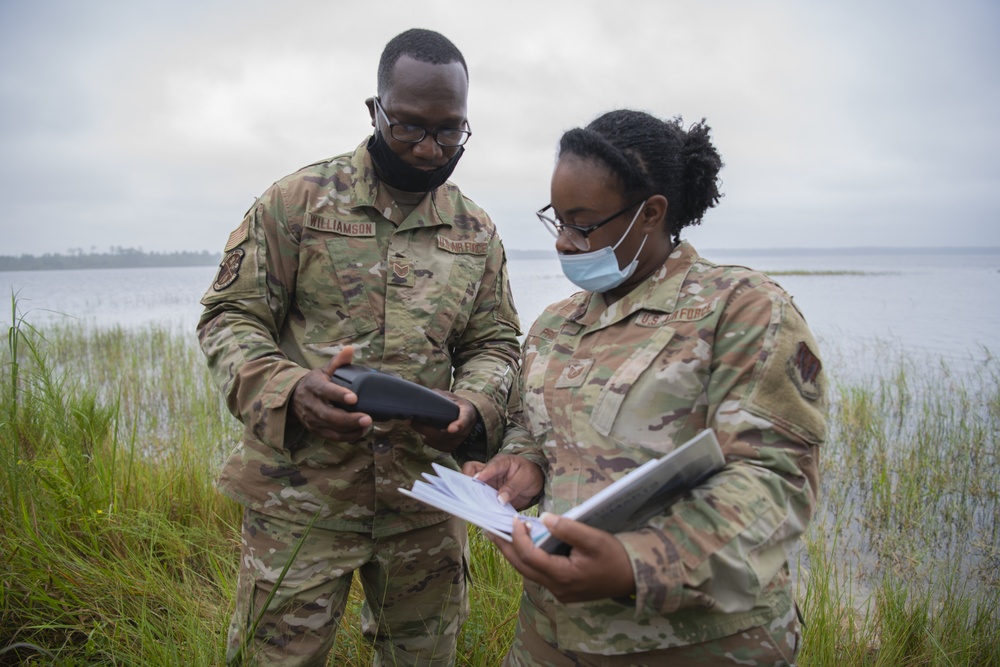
(414, 134)
(574, 233)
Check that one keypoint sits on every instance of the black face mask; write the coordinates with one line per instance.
(394, 171)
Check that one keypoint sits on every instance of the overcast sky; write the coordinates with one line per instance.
(154, 125)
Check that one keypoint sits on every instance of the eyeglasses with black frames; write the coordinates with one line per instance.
(575, 234)
(414, 134)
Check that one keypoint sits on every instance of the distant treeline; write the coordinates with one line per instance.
(130, 258)
(116, 258)
(127, 258)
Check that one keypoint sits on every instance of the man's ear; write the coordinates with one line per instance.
(370, 103)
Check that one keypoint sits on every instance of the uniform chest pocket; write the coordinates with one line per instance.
(330, 292)
(649, 396)
(446, 289)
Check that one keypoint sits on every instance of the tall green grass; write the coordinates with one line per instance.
(902, 564)
(115, 548)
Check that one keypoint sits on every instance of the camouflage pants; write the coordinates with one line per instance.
(414, 585)
(776, 644)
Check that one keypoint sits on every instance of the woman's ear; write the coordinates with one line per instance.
(654, 212)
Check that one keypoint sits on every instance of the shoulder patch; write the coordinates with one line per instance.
(789, 385)
(239, 235)
(803, 368)
(229, 269)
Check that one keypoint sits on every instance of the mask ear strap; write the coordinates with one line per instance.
(634, 218)
(640, 247)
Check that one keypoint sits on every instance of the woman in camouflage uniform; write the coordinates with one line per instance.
(660, 345)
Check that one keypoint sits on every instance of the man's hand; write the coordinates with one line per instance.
(515, 478)
(451, 437)
(312, 403)
(598, 567)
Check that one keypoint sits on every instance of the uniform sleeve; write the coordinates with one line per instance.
(487, 356)
(517, 438)
(245, 309)
(722, 546)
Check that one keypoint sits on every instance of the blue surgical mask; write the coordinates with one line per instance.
(598, 271)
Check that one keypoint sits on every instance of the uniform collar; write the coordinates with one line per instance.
(658, 293)
(369, 191)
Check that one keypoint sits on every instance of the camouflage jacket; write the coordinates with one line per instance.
(325, 258)
(606, 388)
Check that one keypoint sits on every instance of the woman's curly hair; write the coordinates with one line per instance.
(650, 156)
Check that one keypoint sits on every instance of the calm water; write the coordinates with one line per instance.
(942, 306)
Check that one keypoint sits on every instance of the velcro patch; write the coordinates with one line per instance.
(461, 247)
(401, 272)
(229, 269)
(692, 314)
(570, 328)
(575, 373)
(238, 236)
(339, 226)
(647, 319)
(803, 368)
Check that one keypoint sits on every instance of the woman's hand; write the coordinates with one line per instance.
(515, 478)
(597, 567)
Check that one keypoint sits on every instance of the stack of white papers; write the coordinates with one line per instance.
(471, 500)
(625, 504)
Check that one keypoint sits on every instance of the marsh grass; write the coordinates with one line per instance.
(902, 563)
(115, 548)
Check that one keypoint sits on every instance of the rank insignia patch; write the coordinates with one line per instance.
(575, 373)
(229, 269)
(804, 367)
(401, 272)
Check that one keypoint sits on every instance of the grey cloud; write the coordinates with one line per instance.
(155, 124)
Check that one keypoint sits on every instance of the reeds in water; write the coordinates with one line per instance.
(115, 548)
(902, 563)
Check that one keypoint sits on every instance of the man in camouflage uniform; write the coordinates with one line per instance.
(614, 378)
(370, 257)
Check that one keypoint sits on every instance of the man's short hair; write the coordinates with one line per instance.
(426, 46)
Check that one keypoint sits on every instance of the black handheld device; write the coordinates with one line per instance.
(386, 396)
